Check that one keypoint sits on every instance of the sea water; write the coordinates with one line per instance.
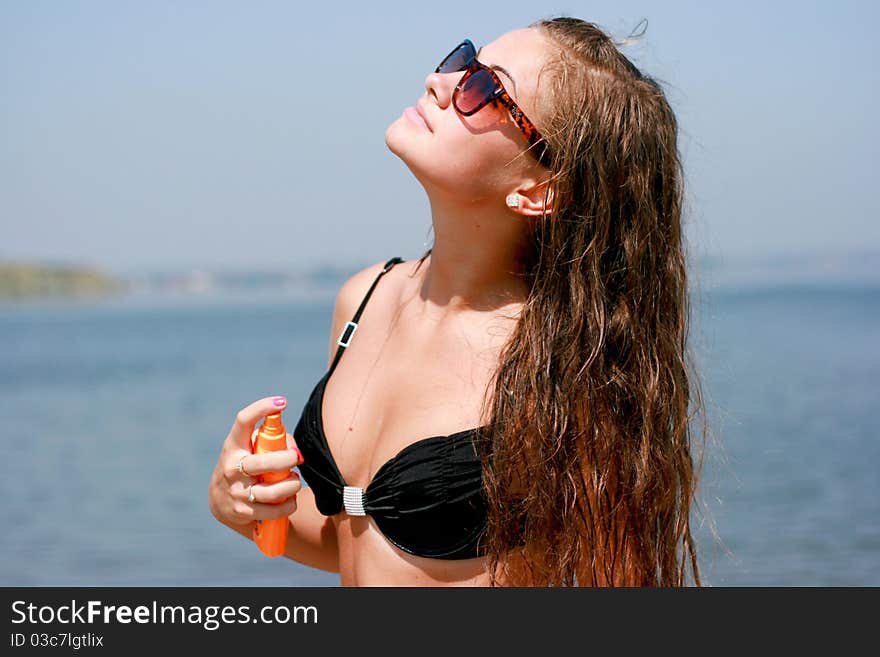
(113, 415)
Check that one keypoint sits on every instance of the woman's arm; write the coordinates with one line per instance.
(311, 536)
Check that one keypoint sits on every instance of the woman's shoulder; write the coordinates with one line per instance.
(353, 290)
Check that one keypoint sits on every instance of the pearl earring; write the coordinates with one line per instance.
(512, 200)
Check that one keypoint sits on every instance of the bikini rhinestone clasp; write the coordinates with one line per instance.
(353, 500)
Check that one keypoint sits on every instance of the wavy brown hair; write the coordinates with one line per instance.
(589, 470)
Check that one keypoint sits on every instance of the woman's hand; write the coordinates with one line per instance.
(234, 495)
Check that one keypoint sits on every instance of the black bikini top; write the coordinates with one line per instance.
(427, 500)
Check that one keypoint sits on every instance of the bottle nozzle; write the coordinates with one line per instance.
(273, 427)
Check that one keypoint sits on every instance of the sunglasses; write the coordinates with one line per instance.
(479, 86)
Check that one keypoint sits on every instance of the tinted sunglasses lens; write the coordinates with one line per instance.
(477, 90)
(457, 60)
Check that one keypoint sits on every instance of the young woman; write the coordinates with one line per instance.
(513, 407)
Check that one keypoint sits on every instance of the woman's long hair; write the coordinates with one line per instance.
(589, 469)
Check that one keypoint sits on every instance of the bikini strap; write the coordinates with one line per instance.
(349, 329)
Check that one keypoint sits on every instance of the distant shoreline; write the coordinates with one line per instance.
(69, 283)
(20, 282)
(36, 283)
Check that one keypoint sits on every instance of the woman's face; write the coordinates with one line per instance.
(476, 157)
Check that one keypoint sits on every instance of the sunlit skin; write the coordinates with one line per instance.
(468, 165)
(430, 342)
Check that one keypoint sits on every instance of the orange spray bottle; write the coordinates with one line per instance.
(271, 535)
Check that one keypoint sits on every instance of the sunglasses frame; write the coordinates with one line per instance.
(537, 144)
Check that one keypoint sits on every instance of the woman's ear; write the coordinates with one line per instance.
(532, 200)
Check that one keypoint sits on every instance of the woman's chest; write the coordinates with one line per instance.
(387, 397)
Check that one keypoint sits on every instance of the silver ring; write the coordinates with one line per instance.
(240, 466)
(251, 497)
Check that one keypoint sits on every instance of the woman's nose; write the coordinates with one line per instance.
(440, 85)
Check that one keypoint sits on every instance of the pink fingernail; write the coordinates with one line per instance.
(279, 401)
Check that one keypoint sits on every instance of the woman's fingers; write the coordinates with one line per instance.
(242, 435)
(238, 473)
(273, 493)
(247, 418)
(257, 464)
(272, 511)
(270, 501)
(291, 444)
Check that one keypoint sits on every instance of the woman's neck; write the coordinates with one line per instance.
(476, 262)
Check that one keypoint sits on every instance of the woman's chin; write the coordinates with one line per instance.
(396, 137)
(419, 157)
(401, 144)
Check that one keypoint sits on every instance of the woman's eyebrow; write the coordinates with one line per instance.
(495, 67)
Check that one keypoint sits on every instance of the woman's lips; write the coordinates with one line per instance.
(414, 116)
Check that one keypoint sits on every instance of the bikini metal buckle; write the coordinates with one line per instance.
(343, 340)
(353, 500)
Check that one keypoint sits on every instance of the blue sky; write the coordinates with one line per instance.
(229, 134)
